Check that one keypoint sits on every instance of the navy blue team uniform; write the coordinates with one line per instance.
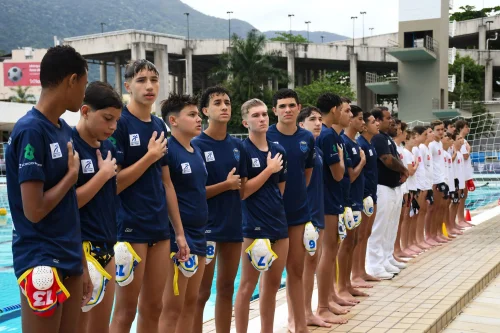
(299, 148)
(189, 176)
(346, 181)
(356, 193)
(315, 192)
(142, 213)
(327, 142)
(224, 210)
(264, 211)
(370, 171)
(98, 216)
(37, 151)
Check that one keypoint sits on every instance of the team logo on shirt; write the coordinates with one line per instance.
(334, 148)
(389, 142)
(29, 152)
(112, 140)
(55, 150)
(236, 154)
(354, 151)
(255, 163)
(370, 152)
(186, 168)
(134, 140)
(209, 156)
(303, 146)
(87, 166)
(10, 141)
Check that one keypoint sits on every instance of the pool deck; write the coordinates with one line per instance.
(426, 296)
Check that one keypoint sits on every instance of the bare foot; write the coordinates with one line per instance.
(370, 278)
(457, 231)
(432, 242)
(346, 295)
(341, 301)
(329, 317)
(452, 235)
(337, 309)
(360, 283)
(424, 246)
(442, 239)
(355, 292)
(313, 320)
(464, 224)
(416, 249)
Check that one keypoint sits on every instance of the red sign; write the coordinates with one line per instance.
(24, 74)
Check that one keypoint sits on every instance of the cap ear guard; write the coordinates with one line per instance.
(357, 218)
(261, 255)
(210, 252)
(188, 269)
(368, 206)
(99, 278)
(342, 228)
(125, 261)
(348, 218)
(310, 238)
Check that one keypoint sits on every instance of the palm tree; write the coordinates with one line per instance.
(22, 95)
(248, 67)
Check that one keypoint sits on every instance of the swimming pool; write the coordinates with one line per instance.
(8, 284)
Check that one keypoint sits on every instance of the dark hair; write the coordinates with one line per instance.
(449, 135)
(209, 92)
(175, 103)
(383, 108)
(285, 93)
(447, 123)
(460, 124)
(435, 123)
(345, 100)
(327, 101)
(419, 129)
(378, 113)
(356, 110)
(409, 134)
(397, 121)
(366, 116)
(404, 125)
(306, 113)
(136, 66)
(101, 95)
(454, 135)
(60, 62)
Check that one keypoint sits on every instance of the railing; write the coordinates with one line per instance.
(452, 54)
(375, 78)
(429, 43)
(453, 28)
(451, 82)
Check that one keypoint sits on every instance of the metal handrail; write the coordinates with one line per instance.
(374, 78)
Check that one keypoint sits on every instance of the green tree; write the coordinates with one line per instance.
(470, 12)
(22, 95)
(288, 38)
(246, 70)
(337, 82)
(472, 87)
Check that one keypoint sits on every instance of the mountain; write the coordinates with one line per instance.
(35, 23)
(314, 36)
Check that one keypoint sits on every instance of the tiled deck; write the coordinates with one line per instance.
(426, 296)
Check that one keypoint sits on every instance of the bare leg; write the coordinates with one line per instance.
(72, 308)
(346, 247)
(270, 282)
(325, 269)
(358, 269)
(204, 293)
(310, 264)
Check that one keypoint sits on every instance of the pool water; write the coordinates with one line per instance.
(10, 291)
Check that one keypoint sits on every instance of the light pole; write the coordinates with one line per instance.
(187, 20)
(102, 27)
(371, 30)
(353, 18)
(229, 14)
(308, 22)
(363, 19)
(322, 38)
(290, 16)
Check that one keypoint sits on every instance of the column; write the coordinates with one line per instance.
(300, 78)
(118, 76)
(161, 63)
(180, 84)
(482, 37)
(104, 72)
(230, 76)
(353, 66)
(311, 76)
(488, 80)
(138, 51)
(188, 53)
(275, 84)
(291, 67)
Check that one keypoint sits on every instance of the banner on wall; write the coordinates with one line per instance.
(26, 74)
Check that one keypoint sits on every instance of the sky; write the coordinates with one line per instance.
(325, 15)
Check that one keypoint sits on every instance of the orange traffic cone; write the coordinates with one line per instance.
(467, 216)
